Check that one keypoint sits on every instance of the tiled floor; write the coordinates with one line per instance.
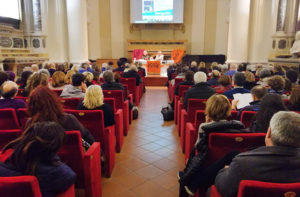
(151, 155)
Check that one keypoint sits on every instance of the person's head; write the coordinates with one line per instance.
(215, 73)
(189, 76)
(60, 67)
(89, 77)
(35, 80)
(11, 75)
(276, 83)
(38, 144)
(35, 67)
(117, 77)
(238, 79)
(84, 66)
(93, 97)
(292, 75)
(270, 104)
(96, 67)
(133, 67)
(278, 69)
(284, 130)
(232, 67)
(110, 63)
(9, 89)
(264, 73)
(178, 69)
(241, 68)
(193, 64)
(249, 77)
(200, 77)
(75, 68)
(96, 76)
(295, 96)
(78, 79)
(58, 79)
(225, 80)
(218, 107)
(287, 85)
(120, 63)
(3, 77)
(108, 77)
(52, 66)
(258, 92)
(45, 71)
(44, 105)
(68, 77)
(24, 77)
(145, 53)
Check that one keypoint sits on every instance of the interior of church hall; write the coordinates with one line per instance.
(149, 98)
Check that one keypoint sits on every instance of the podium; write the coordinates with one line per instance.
(153, 67)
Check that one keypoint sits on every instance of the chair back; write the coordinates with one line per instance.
(249, 188)
(111, 102)
(221, 143)
(25, 186)
(117, 95)
(131, 83)
(183, 88)
(58, 91)
(193, 105)
(9, 119)
(247, 118)
(177, 81)
(70, 103)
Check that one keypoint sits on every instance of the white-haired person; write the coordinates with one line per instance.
(94, 100)
(201, 89)
(9, 91)
(133, 73)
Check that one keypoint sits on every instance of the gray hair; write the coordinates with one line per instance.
(108, 77)
(200, 77)
(285, 129)
(44, 71)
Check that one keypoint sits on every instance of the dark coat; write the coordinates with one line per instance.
(270, 164)
(176, 91)
(254, 106)
(114, 86)
(199, 91)
(133, 74)
(229, 94)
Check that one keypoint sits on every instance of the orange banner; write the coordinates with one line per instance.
(153, 67)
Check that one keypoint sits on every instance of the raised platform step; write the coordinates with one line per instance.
(155, 80)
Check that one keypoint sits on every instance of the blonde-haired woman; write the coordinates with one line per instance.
(68, 77)
(57, 81)
(93, 100)
(34, 81)
(89, 77)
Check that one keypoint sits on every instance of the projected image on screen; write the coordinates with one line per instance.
(156, 11)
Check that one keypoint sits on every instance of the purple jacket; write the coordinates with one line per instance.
(12, 103)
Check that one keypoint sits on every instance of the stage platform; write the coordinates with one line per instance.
(155, 80)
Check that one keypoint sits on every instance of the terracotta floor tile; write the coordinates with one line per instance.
(131, 180)
(134, 164)
(166, 181)
(151, 147)
(150, 157)
(149, 172)
(148, 189)
(165, 164)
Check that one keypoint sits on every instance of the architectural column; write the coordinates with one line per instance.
(238, 31)
(77, 31)
(262, 27)
(285, 28)
(57, 40)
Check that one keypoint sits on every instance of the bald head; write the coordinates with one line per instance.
(9, 89)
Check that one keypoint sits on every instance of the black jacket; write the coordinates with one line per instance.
(199, 91)
(133, 74)
(254, 106)
(176, 91)
(197, 162)
(114, 86)
(277, 164)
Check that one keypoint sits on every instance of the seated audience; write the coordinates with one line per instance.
(22, 82)
(85, 67)
(35, 154)
(3, 77)
(76, 89)
(76, 68)
(93, 100)
(68, 77)
(277, 162)
(257, 93)
(57, 80)
(11, 75)
(224, 83)
(52, 69)
(171, 70)
(45, 105)
(194, 66)
(133, 73)
(140, 68)
(35, 68)
(295, 99)
(121, 66)
(9, 91)
(278, 70)
(264, 75)
(200, 90)
(238, 81)
(249, 81)
(218, 109)
(89, 77)
(292, 75)
(34, 81)
(45, 71)
(270, 104)
(214, 81)
(202, 67)
(110, 84)
(232, 70)
(276, 84)
(188, 81)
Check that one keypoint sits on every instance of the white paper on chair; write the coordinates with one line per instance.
(244, 99)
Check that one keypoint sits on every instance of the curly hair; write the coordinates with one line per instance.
(35, 80)
(93, 97)
(276, 83)
(295, 96)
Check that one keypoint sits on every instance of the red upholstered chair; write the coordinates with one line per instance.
(177, 81)
(7, 136)
(214, 192)
(189, 116)
(86, 165)
(93, 120)
(26, 186)
(9, 119)
(70, 103)
(118, 123)
(20, 91)
(182, 88)
(222, 143)
(23, 117)
(247, 118)
(120, 105)
(133, 89)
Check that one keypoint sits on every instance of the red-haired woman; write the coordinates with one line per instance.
(44, 105)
